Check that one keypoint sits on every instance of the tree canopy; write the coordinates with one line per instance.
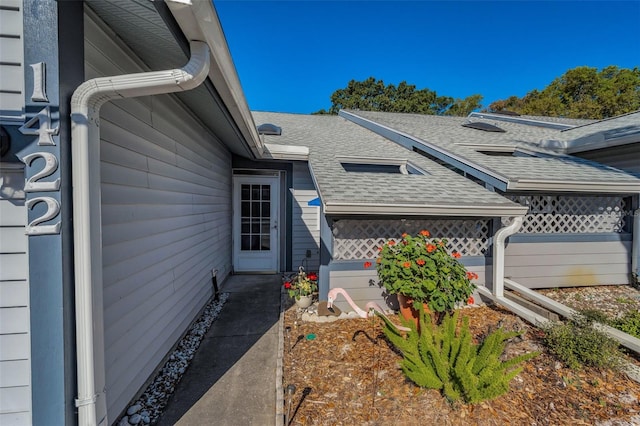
(582, 92)
(373, 95)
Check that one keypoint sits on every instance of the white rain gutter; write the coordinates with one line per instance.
(635, 245)
(85, 149)
(350, 208)
(573, 186)
(498, 254)
(285, 152)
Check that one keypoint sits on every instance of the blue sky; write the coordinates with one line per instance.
(292, 55)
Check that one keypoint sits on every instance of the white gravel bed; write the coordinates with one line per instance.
(613, 300)
(148, 407)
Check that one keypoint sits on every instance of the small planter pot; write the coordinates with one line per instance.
(304, 301)
(407, 310)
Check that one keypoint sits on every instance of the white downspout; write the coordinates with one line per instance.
(635, 245)
(85, 149)
(498, 254)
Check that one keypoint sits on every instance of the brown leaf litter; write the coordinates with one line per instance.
(348, 374)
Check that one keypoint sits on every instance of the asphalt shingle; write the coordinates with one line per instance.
(330, 137)
(448, 134)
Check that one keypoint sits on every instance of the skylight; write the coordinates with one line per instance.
(371, 168)
(504, 152)
(479, 125)
(269, 129)
(379, 165)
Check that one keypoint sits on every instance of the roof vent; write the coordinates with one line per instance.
(269, 129)
(479, 125)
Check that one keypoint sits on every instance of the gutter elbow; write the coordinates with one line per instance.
(503, 233)
(499, 253)
(197, 69)
(92, 94)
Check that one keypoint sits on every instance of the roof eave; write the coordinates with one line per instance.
(285, 152)
(346, 208)
(199, 21)
(577, 146)
(569, 186)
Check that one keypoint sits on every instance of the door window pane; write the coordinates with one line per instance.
(245, 192)
(245, 209)
(245, 242)
(255, 217)
(255, 242)
(266, 242)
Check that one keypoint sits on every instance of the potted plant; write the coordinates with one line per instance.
(302, 287)
(422, 273)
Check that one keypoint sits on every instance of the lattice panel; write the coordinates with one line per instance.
(557, 214)
(360, 239)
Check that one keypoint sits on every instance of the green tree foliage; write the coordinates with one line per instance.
(444, 357)
(373, 95)
(582, 92)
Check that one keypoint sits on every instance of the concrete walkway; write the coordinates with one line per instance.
(233, 376)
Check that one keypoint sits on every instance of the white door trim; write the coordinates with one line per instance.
(256, 233)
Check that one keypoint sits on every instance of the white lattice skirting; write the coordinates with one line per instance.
(360, 239)
(558, 214)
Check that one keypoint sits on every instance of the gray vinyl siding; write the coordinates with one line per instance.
(15, 345)
(305, 230)
(361, 285)
(624, 157)
(11, 60)
(565, 264)
(166, 223)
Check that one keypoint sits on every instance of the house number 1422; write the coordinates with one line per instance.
(40, 125)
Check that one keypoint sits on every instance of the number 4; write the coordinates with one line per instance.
(44, 130)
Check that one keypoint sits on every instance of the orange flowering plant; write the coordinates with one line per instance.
(421, 268)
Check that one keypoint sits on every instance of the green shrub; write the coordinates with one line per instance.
(576, 343)
(441, 357)
(587, 317)
(629, 323)
(422, 269)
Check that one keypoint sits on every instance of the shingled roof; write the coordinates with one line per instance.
(332, 141)
(531, 167)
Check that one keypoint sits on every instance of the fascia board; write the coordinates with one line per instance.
(408, 141)
(568, 186)
(198, 20)
(337, 208)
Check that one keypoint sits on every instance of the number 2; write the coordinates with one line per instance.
(53, 208)
(50, 166)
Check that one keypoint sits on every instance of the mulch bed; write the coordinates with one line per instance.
(349, 375)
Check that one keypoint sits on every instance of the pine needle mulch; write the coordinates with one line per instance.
(348, 375)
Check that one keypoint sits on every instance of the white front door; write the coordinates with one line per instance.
(255, 223)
